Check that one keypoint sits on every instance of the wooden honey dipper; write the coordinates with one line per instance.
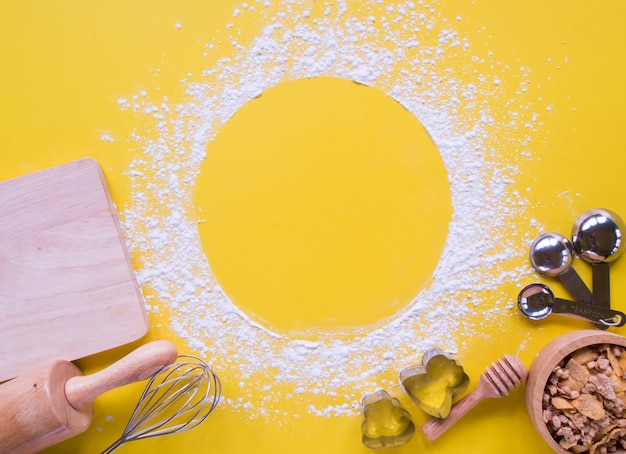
(504, 375)
(53, 403)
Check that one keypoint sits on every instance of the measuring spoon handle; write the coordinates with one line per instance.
(576, 286)
(594, 314)
(601, 284)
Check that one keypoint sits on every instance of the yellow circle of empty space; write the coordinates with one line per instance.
(322, 204)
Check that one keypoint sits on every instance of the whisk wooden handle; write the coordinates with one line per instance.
(138, 365)
(503, 375)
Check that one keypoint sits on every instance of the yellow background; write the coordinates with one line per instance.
(65, 64)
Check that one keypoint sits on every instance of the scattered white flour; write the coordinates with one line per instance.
(415, 55)
(107, 137)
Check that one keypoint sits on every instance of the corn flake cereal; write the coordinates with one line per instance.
(584, 400)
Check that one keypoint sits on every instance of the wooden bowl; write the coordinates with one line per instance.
(545, 362)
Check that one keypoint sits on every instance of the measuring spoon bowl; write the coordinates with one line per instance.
(535, 301)
(597, 235)
(552, 254)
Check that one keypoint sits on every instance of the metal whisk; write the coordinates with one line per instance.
(177, 398)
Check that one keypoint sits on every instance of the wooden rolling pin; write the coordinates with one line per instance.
(52, 404)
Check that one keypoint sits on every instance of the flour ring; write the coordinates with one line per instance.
(176, 273)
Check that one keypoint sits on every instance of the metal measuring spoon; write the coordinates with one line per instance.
(536, 301)
(552, 254)
(597, 236)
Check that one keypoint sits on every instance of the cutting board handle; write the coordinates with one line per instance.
(138, 365)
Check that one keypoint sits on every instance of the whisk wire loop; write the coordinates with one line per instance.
(162, 397)
(177, 398)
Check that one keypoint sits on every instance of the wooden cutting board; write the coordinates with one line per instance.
(67, 286)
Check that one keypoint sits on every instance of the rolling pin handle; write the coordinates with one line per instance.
(138, 365)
